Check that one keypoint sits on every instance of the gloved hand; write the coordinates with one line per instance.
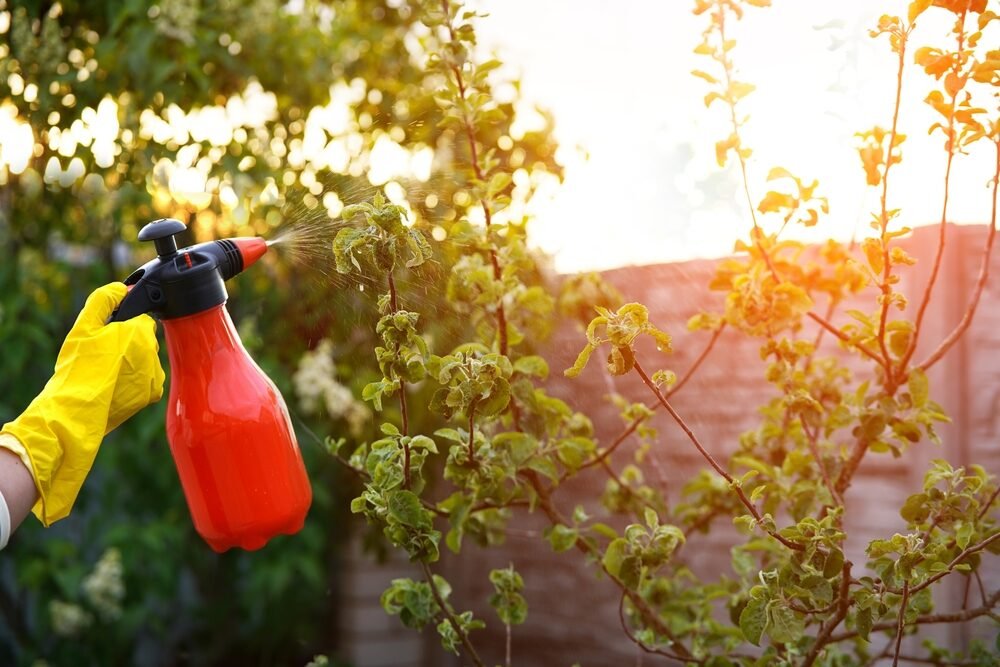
(104, 374)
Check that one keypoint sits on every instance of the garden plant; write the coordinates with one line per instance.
(509, 446)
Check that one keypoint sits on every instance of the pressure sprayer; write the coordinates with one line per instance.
(227, 424)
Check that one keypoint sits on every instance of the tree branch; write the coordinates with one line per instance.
(956, 561)
(901, 622)
(556, 518)
(711, 460)
(886, 286)
(943, 227)
(404, 420)
(638, 421)
(826, 629)
(470, 134)
(640, 644)
(930, 619)
(466, 643)
(984, 274)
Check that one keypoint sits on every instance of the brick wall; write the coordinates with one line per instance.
(573, 614)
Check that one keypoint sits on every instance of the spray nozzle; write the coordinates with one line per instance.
(185, 281)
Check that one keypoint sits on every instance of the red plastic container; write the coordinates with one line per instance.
(231, 437)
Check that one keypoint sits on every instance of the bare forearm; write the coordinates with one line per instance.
(17, 486)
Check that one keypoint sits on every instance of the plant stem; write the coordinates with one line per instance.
(507, 646)
(404, 420)
(638, 421)
(929, 619)
(470, 134)
(989, 503)
(984, 274)
(818, 319)
(813, 440)
(711, 460)
(472, 432)
(826, 629)
(556, 518)
(638, 642)
(886, 286)
(901, 623)
(956, 561)
(942, 229)
(469, 648)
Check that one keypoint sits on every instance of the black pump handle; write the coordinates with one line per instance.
(162, 232)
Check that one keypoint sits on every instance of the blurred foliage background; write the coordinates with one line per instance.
(239, 118)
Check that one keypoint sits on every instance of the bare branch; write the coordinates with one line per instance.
(446, 610)
(711, 460)
(984, 274)
(950, 145)
(901, 622)
(826, 629)
(930, 619)
(638, 421)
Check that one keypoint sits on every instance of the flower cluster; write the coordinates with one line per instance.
(315, 384)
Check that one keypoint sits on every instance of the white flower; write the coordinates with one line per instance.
(316, 386)
(104, 587)
(68, 619)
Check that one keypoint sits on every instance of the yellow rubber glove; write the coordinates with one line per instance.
(104, 374)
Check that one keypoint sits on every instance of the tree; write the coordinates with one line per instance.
(510, 446)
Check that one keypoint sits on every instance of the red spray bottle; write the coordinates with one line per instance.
(227, 424)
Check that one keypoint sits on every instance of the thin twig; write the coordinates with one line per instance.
(650, 617)
(638, 642)
(989, 503)
(404, 420)
(463, 637)
(956, 561)
(930, 619)
(826, 629)
(470, 133)
(981, 280)
(979, 582)
(472, 432)
(638, 421)
(507, 652)
(711, 460)
(813, 441)
(943, 227)
(886, 286)
(901, 623)
(844, 338)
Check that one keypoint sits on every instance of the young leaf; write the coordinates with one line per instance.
(753, 620)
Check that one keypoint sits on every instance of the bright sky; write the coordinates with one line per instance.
(641, 182)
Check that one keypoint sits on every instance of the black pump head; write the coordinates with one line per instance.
(187, 281)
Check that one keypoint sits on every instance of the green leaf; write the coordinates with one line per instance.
(405, 507)
(834, 563)
(614, 555)
(784, 625)
(863, 622)
(753, 620)
(562, 538)
(915, 510)
(919, 387)
(498, 182)
(544, 466)
(532, 365)
(964, 534)
(423, 442)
